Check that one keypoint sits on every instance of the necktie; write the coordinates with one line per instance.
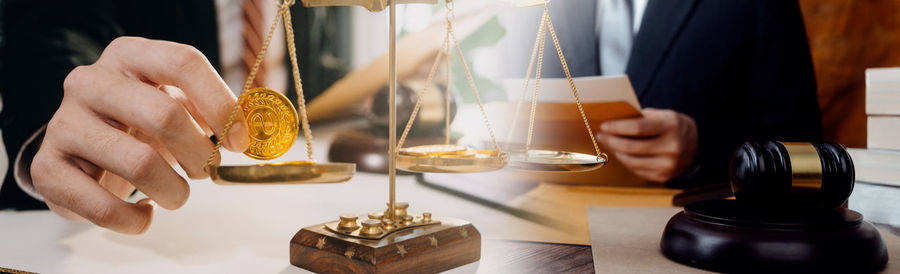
(616, 35)
(254, 33)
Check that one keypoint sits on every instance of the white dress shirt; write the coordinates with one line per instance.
(231, 47)
(616, 30)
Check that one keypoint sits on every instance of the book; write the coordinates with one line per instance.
(883, 98)
(884, 132)
(876, 166)
(883, 74)
(883, 91)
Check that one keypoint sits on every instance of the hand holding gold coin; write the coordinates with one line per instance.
(124, 122)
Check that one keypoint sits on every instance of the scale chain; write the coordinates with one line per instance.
(542, 33)
(283, 13)
(421, 94)
(298, 84)
(445, 46)
(539, 43)
(534, 51)
(562, 61)
(462, 60)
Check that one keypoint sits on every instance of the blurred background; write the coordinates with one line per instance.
(845, 38)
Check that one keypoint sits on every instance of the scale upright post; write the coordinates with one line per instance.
(392, 113)
(393, 240)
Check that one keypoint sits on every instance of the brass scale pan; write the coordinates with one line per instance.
(449, 159)
(290, 172)
(555, 161)
(460, 159)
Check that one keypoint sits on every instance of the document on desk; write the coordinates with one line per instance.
(603, 98)
(558, 122)
(626, 240)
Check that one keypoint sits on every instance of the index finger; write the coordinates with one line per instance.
(634, 127)
(183, 66)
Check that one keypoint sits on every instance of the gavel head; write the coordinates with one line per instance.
(807, 174)
(429, 120)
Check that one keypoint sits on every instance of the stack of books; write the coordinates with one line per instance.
(878, 166)
(880, 162)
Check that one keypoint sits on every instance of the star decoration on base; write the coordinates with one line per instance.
(401, 250)
(350, 252)
(433, 240)
(321, 243)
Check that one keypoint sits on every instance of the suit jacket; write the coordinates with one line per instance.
(44, 40)
(741, 68)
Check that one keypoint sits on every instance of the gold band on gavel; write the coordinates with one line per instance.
(806, 167)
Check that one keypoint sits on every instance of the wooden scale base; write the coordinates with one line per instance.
(422, 249)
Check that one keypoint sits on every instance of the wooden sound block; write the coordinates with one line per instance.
(729, 236)
(367, 147)
(427, 249)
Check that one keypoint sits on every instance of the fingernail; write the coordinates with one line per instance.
(148, 201)
(237, 137)
(144, 202)
(604, 126)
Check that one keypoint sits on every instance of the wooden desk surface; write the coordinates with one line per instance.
(530, 257)
(247, 229)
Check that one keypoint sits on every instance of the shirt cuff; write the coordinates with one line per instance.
(22, 164)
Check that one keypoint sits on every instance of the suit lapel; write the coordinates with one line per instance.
(663, 20)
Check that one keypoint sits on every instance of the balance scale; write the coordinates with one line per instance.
(395, 238)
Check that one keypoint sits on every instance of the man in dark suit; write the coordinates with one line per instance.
(710, 75)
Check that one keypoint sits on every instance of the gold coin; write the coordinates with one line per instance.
(291, 163)
(271, 123)
(468, 153)
(434, 150)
